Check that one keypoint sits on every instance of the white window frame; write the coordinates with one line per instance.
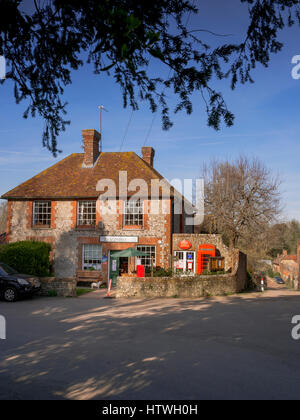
(184, 271)
(48, 213)
(138, 213)
(138, 247)
(80, 212)
(91, 248)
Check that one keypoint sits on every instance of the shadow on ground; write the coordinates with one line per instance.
(238, 347)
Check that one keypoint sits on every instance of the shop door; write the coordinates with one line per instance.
(114, 268)
(204, 254)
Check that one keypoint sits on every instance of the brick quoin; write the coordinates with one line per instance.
(29, 214)
(120, 206)
(8, 220)
(74, 214)
(53, 215)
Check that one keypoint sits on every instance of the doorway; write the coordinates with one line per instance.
(117, 266)
(114, 268)
(123, 265)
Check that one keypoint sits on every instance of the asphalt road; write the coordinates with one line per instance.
(237, 347)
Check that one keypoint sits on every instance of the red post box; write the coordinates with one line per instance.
(140, 271)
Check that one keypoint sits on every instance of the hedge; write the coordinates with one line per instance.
(27, 257)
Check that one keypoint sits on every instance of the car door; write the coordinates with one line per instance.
(2, 282)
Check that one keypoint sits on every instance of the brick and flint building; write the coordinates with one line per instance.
(61, 206)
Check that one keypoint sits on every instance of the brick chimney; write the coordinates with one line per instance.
(148, 154)
(91, 140)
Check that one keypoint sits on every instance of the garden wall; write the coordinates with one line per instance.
(63, 287)
(185, 287)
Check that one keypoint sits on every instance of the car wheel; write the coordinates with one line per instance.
(10, 294)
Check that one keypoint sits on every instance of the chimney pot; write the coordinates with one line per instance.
(91, 140)
(148, 154)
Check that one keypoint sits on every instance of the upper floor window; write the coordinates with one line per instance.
(133, 213)
(86, 215)
(42, 213)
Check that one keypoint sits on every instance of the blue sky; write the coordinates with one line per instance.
(267, 123)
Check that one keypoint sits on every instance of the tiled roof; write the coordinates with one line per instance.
(68, 179)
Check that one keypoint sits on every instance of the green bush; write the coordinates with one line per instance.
(158, 272)
(161, 272)
(27, 257)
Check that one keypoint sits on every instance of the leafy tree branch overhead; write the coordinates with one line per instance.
(120, 38)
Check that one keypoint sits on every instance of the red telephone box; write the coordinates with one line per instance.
(204, 253)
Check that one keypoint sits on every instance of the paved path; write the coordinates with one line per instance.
(238, 347)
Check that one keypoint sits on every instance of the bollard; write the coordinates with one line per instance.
(109, 289)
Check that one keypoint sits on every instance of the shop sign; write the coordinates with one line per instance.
(185, 244)
(119, 239)
(190, 265)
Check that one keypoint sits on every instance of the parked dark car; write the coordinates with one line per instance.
(279, 280)
(14, 285)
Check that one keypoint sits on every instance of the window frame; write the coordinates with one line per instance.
(34, 214)
(140, 214)
(184, 271)
(84, 216)
(86, 265)
(143, 250)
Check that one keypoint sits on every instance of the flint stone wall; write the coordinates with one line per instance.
(185, 287)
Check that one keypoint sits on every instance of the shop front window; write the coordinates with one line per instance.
(184, 262)
(146, 259)
(92, 255)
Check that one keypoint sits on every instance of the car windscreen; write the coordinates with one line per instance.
(6, 269)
